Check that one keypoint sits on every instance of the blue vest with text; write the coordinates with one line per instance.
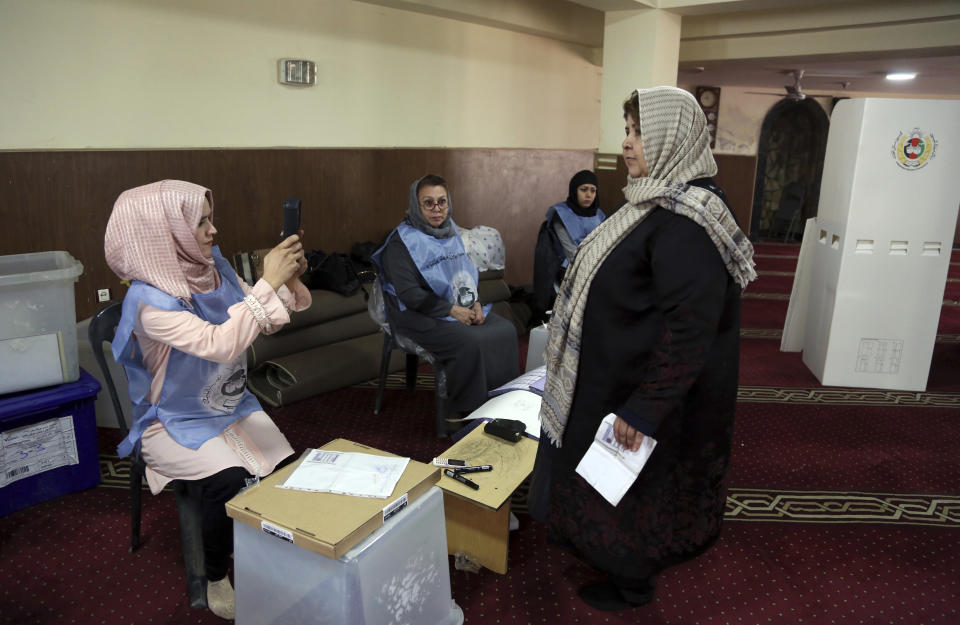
(199, 398)
(577, 227)
(443, 263)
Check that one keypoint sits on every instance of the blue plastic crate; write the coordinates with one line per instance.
(35, 428)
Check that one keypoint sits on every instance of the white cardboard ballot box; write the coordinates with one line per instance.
(397, 575)
(327, 523)
(324, 558)
(873, 264)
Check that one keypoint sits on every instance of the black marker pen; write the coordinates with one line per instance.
(461, 479)
(475, 469)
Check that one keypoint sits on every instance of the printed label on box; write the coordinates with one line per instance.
(276, 531)
(32, 449)
(395, 507)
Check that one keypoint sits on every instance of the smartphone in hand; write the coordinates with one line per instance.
(291, 217)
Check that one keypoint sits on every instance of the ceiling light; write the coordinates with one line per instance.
(901, 75)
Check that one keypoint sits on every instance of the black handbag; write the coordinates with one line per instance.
(332, 272)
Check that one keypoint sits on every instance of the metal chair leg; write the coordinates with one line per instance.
(441, 404)
(384, 366)
(191, 538)
(412, 363)
(136, 491)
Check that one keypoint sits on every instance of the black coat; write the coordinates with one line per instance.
(660, 348)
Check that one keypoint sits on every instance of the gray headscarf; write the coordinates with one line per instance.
(676, 146)
(414, 218)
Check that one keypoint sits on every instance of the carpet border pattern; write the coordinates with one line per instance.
(832, 507)
(846, 396)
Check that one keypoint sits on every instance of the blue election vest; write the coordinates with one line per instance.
(443, 263)
(199, 398)
(577, 227)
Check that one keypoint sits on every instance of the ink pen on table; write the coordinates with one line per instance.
(461, 479)
(474, 469)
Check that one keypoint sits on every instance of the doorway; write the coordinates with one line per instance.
(793, 141)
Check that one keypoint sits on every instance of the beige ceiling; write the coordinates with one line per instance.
(690, 7)
(920, 37)
(757, 43)
(835, 75)
(843, 47)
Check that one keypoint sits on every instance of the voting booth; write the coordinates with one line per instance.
(873, 264)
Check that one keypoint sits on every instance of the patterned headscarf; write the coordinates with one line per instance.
(150, 237)
(676, 146)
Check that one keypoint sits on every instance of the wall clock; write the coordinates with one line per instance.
(709, 100)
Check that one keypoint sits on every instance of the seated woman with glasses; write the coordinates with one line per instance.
(432, 298)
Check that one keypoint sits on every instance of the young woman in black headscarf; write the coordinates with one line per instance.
(566, 225)
(431, 295)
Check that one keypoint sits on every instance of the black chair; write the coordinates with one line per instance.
(103, 326)
(394, 340)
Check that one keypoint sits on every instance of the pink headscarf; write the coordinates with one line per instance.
(150, 237)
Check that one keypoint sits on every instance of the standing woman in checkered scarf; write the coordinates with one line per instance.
(646, 327)
(187, 322)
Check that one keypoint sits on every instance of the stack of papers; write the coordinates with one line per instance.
(347, 473)
(532, 381)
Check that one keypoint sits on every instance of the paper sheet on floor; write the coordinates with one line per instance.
(610, 468)
(347, 473)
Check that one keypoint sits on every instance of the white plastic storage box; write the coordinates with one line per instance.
(397, 575)
(536, 346)
(38, 320)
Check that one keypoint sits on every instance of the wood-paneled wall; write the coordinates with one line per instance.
(734, 175)
(61, 200)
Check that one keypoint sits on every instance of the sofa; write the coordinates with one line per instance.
(335, 343)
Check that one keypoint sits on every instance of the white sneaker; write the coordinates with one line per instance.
(221, 599)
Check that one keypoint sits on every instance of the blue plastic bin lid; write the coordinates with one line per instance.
(15, 404)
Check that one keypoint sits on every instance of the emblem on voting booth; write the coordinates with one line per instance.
(913, 150)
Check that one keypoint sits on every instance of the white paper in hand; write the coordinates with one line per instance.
(608, 466)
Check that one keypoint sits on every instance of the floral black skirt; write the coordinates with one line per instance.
(671, 514)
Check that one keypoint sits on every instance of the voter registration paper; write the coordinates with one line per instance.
(608, 466)
(347, 473)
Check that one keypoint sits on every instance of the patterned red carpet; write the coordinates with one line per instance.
(844, 507)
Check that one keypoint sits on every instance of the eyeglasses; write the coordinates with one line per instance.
(429, 204)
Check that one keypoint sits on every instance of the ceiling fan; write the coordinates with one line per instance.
(795, 91)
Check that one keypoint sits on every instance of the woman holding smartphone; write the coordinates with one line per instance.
(187, 322)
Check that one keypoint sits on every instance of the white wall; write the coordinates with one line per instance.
(742, 112)
(82, 74)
